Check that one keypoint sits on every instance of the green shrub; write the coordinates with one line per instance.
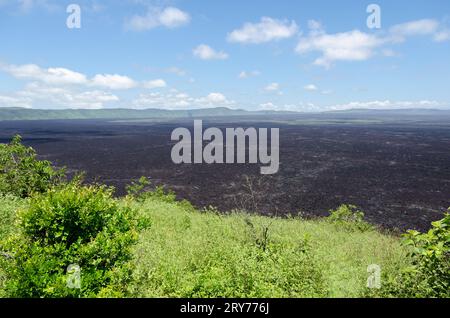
(429, 275)
(349, 217)
(21, 173)
(139, 190)
(428, 271)
(71, 224)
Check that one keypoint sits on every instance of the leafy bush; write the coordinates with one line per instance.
(21, 173)
(139, 190)
(427, 270)
(429, 274)
(349, 217)
(71, 224)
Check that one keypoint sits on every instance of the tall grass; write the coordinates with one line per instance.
(191, 254)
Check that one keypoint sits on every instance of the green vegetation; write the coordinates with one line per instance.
(71, 224)
(21, 174)
(191, 254)
(148, 244)
(428, 274)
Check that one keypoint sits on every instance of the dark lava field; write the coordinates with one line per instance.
(398, 174)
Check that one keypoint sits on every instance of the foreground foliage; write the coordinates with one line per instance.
(191, 254)
(428, 273)
(22, 174)
(70, 224)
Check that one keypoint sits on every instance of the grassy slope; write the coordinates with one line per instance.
(188, 253)
(193, 254)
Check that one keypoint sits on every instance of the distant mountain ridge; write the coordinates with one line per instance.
(121, 113)
(16, 113)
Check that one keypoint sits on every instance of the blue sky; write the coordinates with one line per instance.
(254, 54)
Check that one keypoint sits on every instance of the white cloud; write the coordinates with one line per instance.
(173, 17)
(266, 30)
(413, 28)
(442, 36)
(310, 88)
(11, 101)
(356, 45)
(299, 107)
(113, 81)
(430, 27)
(60, 76)
(272, 87)
(245, 74)
(347, 46)
(267, 106)
(26, 6)
(177, 71)
(216, 98)
(169, 17)
(176, 100)
(158, 83)
(375, 105)
(388, 104)
(38, 95)
(205, 52)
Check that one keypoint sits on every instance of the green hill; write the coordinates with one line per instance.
(43, 114)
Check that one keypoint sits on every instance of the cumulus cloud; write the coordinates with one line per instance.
(169, 17)
(177, 100)
(206, 52)
(347, 46)
(267, 30)
(413, 28)
(216, 98)
(175, 70)
(57, 87)
(442, 36)
(424, 27)
(267, 106)
(374, 105)
(388, 104)
(59, 76)
(13, 101)
(298, 107)
(310, 88)
(26, 6)
(272, 87)
(38, 95)
(113, 81)
(356, 45)
(158, 83)
(52, 75)
(245, 74)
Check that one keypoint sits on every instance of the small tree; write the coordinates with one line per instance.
(21, 173)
